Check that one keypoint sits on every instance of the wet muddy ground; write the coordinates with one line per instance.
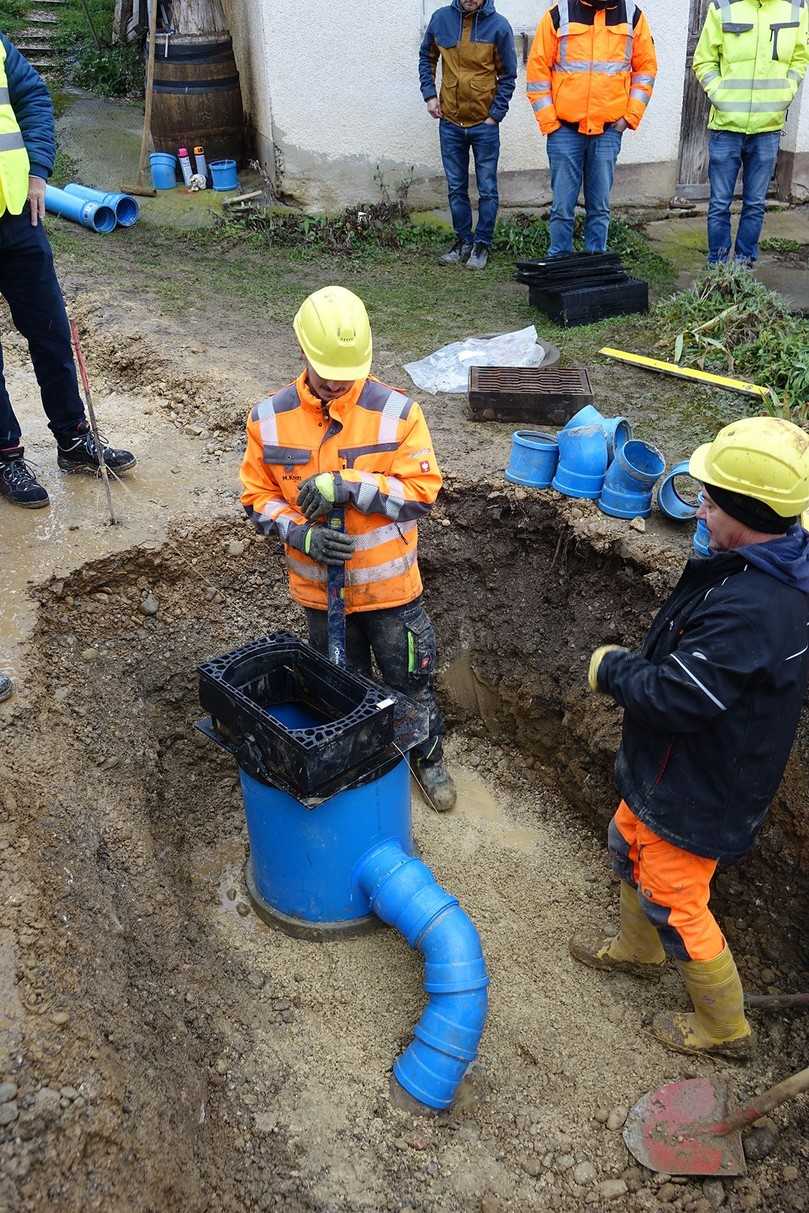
(160, 1048)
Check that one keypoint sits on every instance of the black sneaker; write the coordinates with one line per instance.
(6, 688)
(478, 258)
(18, 482)
(458, 255)
(78, 453)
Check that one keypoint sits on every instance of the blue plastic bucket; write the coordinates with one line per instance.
(671, 501)
(164, 170)
(533, 459)
(582, 461)
(630, 481)
(224, 175)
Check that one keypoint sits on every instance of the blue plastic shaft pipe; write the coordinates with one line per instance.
(127, 209)
(403, 892)
(96, 216)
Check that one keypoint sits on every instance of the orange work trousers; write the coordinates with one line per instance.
(674, 887)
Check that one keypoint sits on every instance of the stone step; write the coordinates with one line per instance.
(39, 16)
(31, 39)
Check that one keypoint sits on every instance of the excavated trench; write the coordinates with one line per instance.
(172, 1053)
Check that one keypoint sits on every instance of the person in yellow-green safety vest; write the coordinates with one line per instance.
(28, 283)
(751, 58)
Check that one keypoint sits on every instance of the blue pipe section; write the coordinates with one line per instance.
(96, 216)
(403, 892)
(533, 460)
(669, 498)
(583, 462)
(127, 210)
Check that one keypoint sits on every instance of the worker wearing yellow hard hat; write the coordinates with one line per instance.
(711, 704)
(337, 437)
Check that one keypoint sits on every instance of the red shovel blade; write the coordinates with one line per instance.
(669, 1130)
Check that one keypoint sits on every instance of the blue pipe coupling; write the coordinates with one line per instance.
(95, 215)
(533, 459)
(630, 481)
(702, 535)
(583, 460)
(127, 210)
(617, 430)
(672, 501)
(404, 893)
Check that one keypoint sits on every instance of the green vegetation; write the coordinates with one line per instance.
(12, 16)
(779, 244)
(729, 323)
(92, 61)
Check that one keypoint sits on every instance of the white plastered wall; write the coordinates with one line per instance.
(335, 88)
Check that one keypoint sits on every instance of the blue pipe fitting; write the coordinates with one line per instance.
(702, 535)
(127, 209)
(617, 430)
(583, 461)
(630, 481)
(671, 501)
(404, 893)
(93, 215)
(533, 459)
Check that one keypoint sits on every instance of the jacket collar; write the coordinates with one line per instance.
(335, 408)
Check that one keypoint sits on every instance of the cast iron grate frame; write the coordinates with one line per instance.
(238, 687)
(528, 393)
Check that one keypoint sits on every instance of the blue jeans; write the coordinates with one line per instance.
(28, 282)
(755, 155)
(484, 142)
(578, 159)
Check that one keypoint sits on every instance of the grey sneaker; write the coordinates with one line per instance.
(458, 255)
(6, 688)
(479, 257)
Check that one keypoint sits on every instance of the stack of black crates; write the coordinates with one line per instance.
(583, 288)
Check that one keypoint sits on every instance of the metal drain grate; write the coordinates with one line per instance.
(527, 393)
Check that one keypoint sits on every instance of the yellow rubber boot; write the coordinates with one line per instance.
(636, 949)
(717, 1024)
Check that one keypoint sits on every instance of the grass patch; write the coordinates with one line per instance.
(729, 323)
(92, 61)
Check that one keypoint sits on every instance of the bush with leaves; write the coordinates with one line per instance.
(730, 323)
(91, 59)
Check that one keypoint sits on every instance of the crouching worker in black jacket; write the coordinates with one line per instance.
(711, 706)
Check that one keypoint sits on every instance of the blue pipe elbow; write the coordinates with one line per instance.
(404, 893)
(583, 461)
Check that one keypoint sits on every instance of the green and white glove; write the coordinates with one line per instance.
(320, 494)
(328, 546)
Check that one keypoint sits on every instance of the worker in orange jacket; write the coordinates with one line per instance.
(590, 73)
(339, 437)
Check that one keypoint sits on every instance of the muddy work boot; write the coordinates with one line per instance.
(636, 949)
(478, 258)
(18, 482)
(78, 453)
(437, 785)
(458, 255)
(717, 1025)
(6, 688)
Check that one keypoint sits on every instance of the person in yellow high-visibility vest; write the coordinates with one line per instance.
(30, 287)
(751, 58)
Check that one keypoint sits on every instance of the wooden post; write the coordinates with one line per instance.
(198, 16)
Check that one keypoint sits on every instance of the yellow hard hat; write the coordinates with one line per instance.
(334, 332)
(762, 457)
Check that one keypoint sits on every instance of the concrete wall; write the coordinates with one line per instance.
(335, 95)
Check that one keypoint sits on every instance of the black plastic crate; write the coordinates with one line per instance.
(588, 304)
(355, 717)
(577, 264)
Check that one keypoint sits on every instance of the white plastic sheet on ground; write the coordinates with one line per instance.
(447, 370)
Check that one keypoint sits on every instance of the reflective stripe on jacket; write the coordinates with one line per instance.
(591, 66)
(750, 59)
(14, 163)
(478, 63)
(376, 438)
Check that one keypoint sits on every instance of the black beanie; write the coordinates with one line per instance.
(750, 511)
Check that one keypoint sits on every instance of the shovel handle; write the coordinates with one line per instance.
(775, 1002)
(763, 1104)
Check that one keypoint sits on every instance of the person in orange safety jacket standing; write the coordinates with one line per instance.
(339, 437)
(590, 75)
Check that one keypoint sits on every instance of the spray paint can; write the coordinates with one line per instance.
(185, 165)
(202, 163)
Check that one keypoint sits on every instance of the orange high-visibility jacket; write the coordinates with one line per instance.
(591, 66)
(376, 438)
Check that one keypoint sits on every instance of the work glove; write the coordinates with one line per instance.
(320, 494)
(328, 546)
(595, 662)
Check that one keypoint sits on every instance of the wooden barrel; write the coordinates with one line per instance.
(197, 96)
